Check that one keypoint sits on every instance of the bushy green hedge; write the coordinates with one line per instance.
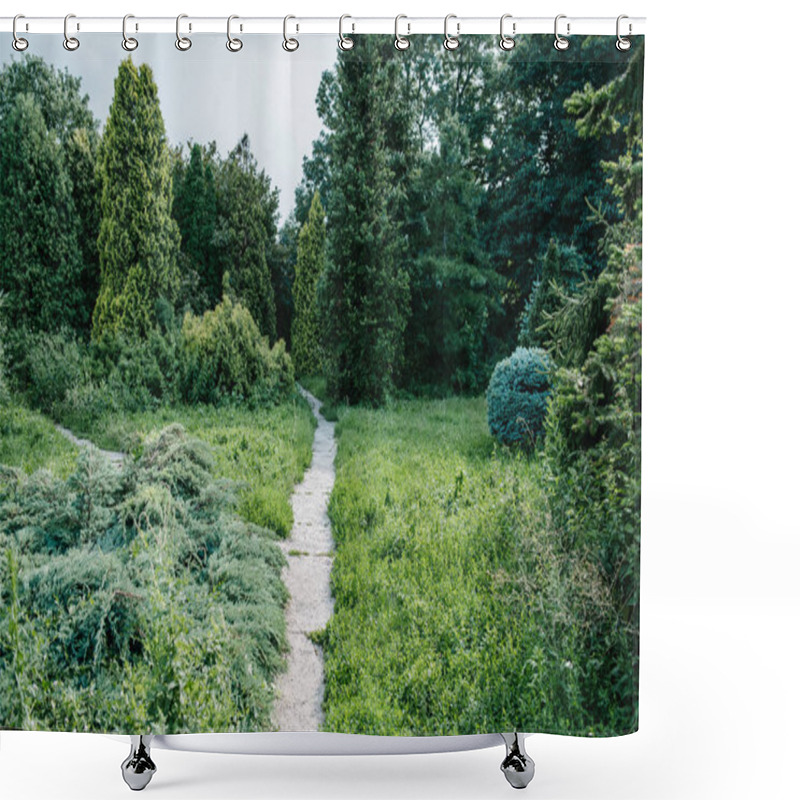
(219, 358)
(225, 356)
(517, 396)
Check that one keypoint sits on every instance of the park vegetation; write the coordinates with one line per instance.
(460, 280)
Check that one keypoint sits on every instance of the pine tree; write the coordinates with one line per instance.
(248, 209)
(138, 240)
(365, 288)
(306, 337)
(40, 257)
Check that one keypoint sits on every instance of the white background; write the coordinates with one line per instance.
(720, 598)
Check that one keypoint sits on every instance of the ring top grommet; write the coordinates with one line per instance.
(345, 42)
(622, 44)
(451, 42)
(71, 43)
(289, 44)
(400, 42)
(128, 42)
(507, 42)
(560, 42)
(233, 44)
(183, 43)
(18, 42)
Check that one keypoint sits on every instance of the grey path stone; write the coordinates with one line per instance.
(309, 549)
(114, 456)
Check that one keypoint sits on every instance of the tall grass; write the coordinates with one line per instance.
(30, 441)
(455, 610)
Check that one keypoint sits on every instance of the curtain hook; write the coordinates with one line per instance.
(623, 44)
(18, 43)
(561, 43)
(183, 43)
(507, 42)
(345, 42)
(71, 43)
(451, 42)
(400, 42)
(289, 45)
(234, 45)
(128, 42)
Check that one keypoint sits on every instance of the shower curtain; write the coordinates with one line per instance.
(320, 384)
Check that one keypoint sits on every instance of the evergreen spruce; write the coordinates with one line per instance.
(138, 239)
(306, 338)
(40, 257)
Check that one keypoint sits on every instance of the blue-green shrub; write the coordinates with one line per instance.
(517, 396)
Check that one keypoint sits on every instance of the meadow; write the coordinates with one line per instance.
(452, 612)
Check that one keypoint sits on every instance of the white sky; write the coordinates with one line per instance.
(209, 93)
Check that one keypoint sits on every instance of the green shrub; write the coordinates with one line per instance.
(135, 599)
(50, 365)
(226, 358)
(517, 396)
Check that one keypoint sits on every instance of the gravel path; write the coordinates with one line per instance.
(115, 457)
(309, 551)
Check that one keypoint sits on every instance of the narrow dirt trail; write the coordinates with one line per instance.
(115, 457)
(309, 551)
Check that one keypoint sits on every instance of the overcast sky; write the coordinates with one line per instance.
(209, 93)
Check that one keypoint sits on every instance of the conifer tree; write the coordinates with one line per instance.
(306, 338)
(40, 258)
(365, 287)
(73, 127)
(138, 239)
(248, 209)
(195, 210)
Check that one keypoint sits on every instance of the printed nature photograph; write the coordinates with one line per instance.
(320, 386)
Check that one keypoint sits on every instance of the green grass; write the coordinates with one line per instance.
(30, 441)
(428, 635)
(267, 450)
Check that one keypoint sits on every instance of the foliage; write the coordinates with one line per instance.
(264, 450)
(306, 336)
(138, 238)
(562, 270)
(593, 444)
(364, 286)
(195, 210)
(518, 395)
(541, 172)
(248, 208)
(226, 356)
(40, 266)
(456, 609)
(136, 600)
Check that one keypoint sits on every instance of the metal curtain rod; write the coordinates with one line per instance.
(326, 25)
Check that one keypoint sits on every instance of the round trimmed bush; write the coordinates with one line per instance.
(517, 396)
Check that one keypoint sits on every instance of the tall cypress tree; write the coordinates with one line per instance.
(248, 211)
(306, 338)
(40, 257)
(364, 287)
(138, 239)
